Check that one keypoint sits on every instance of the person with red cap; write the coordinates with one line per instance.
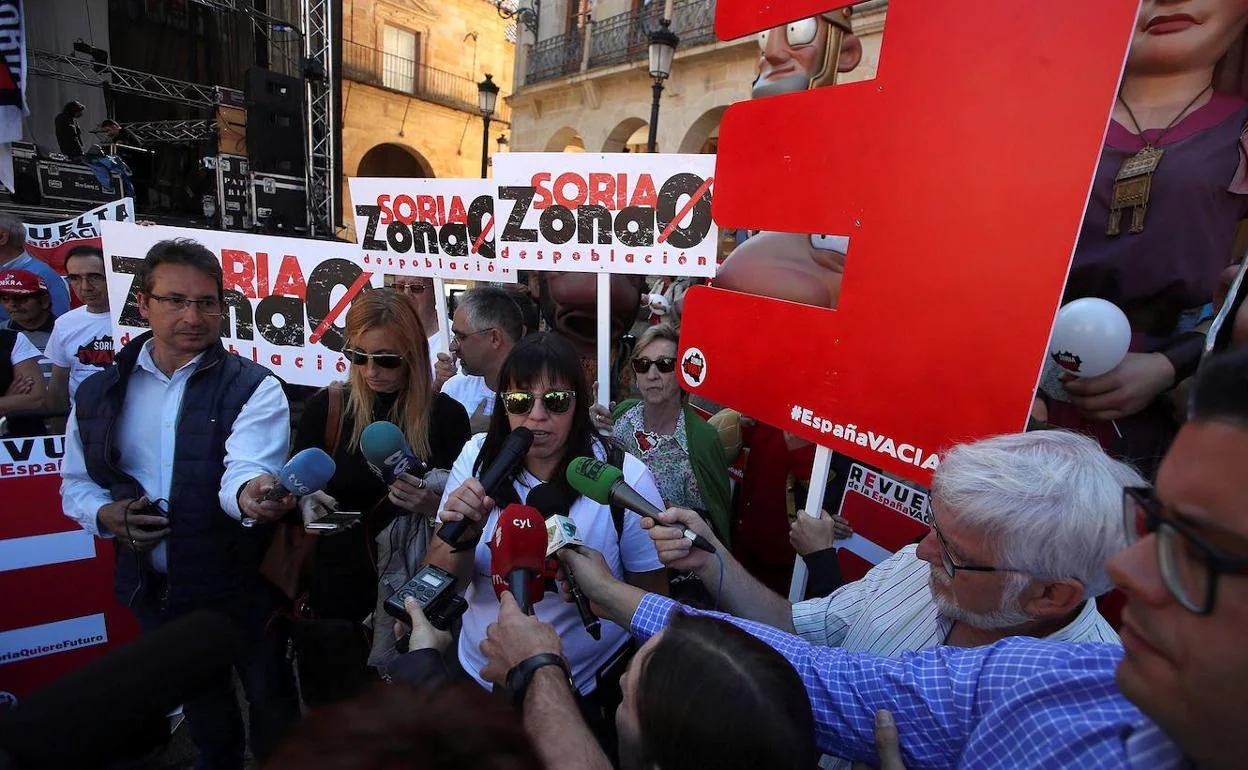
(24, 296)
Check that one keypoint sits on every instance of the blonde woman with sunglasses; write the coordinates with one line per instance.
(542, 387)
(388, 380)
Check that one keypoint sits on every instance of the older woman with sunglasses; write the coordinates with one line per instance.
(542, 388)
(683, 452)
(389, 380)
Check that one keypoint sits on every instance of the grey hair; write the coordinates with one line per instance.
(1050, 501)
(491, 306)
(662, 331)
(15, 228)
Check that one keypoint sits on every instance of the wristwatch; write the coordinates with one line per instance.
(519, 677)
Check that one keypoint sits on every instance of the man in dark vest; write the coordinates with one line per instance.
(169, 453)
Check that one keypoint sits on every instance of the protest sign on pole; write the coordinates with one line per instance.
(886, 515)
(286, 298)
(51, 242)
(639, 214)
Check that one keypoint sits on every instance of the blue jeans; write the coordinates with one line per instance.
(213, 716)
(105, 166)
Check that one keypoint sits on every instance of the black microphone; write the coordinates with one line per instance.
(552, 503)
(515, 447)
(116, 706)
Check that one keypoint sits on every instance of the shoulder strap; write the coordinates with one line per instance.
(333, 419)
(615, 456)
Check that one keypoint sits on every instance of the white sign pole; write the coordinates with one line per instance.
(444, 324)
(604, 340)
(814, 503)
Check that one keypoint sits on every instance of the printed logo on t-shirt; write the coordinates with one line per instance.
(97, 352)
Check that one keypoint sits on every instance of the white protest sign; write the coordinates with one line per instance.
(630, 213)
(285, 298)
(51, 242)
(439, 228)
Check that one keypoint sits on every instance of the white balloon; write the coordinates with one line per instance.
(1090, 337)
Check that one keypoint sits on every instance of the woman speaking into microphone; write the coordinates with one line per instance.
(389, 381)
(542, 388)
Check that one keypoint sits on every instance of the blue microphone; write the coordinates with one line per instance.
(386, 450)
(307, 472)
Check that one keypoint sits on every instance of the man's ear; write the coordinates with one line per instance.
(140, 299)
(1057, 599)
(851, 53)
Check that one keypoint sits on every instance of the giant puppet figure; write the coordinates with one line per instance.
(1168, 197)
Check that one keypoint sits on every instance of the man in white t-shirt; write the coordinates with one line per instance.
(21, 384)
(82, 340)
(485, 327)
(419, 291)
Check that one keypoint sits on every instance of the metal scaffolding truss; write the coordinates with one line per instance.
(157, 131)
(321, 117)
(77, 70)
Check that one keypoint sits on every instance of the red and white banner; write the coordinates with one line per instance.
(886, 514)
(439, 228)
(57, 609)
(606, 213)
(51, 242)
(286, 298)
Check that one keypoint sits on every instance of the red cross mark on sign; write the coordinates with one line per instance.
(960, 174)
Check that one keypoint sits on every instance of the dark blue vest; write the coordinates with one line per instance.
(211, 556)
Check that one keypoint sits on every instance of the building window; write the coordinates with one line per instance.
(400, 52)
(577, 10)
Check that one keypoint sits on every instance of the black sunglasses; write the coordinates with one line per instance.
(666, 364)
(520, 402)
(384, 360)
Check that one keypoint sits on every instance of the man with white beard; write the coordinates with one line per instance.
(1022, 526)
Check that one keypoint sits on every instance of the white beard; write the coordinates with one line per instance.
(1008, 615)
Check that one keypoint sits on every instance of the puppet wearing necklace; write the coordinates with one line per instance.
(1167, 199)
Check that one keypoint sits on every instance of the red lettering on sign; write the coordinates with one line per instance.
(239, 272)
(290, 281)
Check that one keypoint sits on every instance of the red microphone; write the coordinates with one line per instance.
(519, 554)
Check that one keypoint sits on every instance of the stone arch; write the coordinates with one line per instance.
(394, 160)
(566, 139)
(619, 135)
(702, 129)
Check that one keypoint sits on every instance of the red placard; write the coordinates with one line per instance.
(960, 174)
(886, 515)
(57, 609)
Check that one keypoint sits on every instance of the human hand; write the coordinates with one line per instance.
(20, 386)
(676, 550)
(421, 635)
(887, 744)
(253, 507)
(468, 502)
(1126, 390)
(412, 495)
(808, 534)
(138, 531)
(317, 506)
(479, 421)
(514, 638)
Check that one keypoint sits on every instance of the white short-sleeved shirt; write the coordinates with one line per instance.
(23, 350)
(81, 342)
(471, 391)
(633, 551)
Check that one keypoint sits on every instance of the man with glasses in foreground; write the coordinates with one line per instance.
(1022, 525)
(1170, 697)
(166, 453)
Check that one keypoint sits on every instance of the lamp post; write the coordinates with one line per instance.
(663, 44)
(487, 97)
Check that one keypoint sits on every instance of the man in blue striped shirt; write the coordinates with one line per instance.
(1170, 698)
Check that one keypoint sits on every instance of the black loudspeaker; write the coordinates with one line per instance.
(275, 132)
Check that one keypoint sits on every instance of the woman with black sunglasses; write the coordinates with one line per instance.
(389, 380)
(680, 448)
(542, 387)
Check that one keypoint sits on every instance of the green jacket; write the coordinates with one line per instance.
(710, 466)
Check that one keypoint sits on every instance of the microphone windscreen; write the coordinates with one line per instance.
(519, 542)
(380, 440)
(549, 500)
(593, 478)
(307, 472)
(105, 709)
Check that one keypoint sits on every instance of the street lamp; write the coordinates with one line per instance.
(663, 42)
(487, 97)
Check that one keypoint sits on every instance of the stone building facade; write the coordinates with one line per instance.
(583, 85)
